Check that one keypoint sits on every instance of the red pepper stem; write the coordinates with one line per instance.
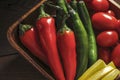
(63, 25)
(64, 20)
(23, 28)
(42, 12)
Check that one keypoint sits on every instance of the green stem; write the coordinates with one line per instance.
(42, 12)
(54, 6)
(63, 25)
(60, 14)
(64, 19)
(73, 0)
(61, 3)
(23, 28)
(73, 4)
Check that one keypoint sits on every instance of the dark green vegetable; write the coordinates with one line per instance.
(73, 4)
(59, 13)
(84, 15)
(81, 41)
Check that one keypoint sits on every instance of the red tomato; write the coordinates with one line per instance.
(107, 38)
(88, 4)
(103, 21)
(100, 5)
(115, 56)
(68, 1)
(110, 12)
(104, 54)
(118, 28)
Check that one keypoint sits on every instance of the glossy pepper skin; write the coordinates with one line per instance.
(81, 42)
(67, 49)
(47, 37)
(92, 45)
(29, 40)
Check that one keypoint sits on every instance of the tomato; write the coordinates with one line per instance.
(110, 12)
(118, 28)
(103, 21)
(107, 38)
(68, 1)
(104, 54)
(115, 55)
(100, 5)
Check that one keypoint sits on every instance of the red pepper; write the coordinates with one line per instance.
(47, 38)
(67, 49)
(29, 40)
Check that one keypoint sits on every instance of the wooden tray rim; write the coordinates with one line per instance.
(18, 48)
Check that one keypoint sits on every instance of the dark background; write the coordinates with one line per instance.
(12, 65)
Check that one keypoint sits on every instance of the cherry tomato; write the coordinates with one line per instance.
(104, 54)
(115, 56)
(103, 21)
(110, 12)
(100, 5)
(118, 28)
(68, 1)
(88, 4)
(107, 38)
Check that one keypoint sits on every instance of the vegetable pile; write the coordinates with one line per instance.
(106, 27)
(81, 40)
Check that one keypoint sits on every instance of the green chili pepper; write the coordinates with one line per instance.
(84, 15)
(81, 41)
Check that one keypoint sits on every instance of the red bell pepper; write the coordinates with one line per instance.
(67, 49)
(29, 40)
(47, 37)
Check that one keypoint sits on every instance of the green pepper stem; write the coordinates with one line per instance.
(65, 17)
(23, 28)
(42, 12)
(54, 6)
(74, 0)
(73, 4)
